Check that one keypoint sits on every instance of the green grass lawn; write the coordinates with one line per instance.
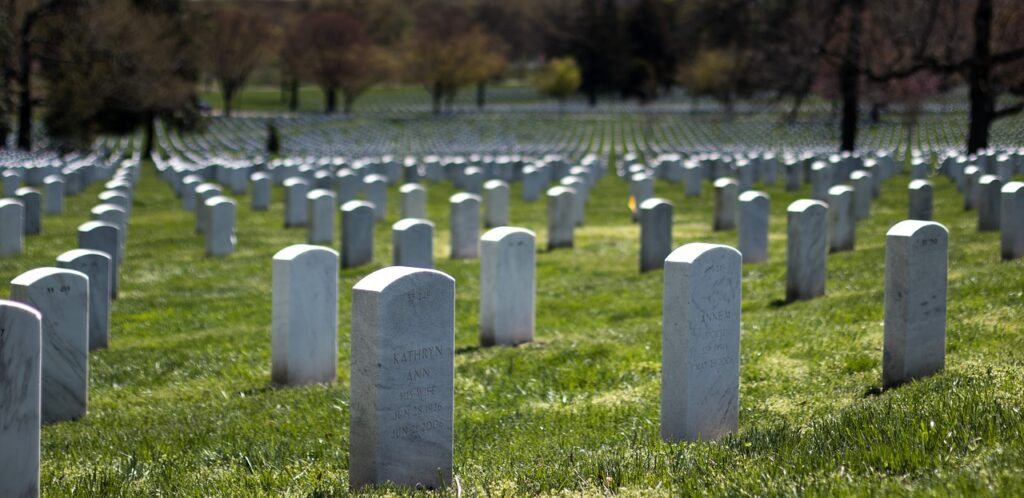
(181, 403)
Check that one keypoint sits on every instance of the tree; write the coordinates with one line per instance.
(715, 73)
(446, 51)
(334, 50)
(110, 67)
(234, 42)
(649, 28)
(560, 79)
(597, 46)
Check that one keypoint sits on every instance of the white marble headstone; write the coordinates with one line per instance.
(412, 243)
(806, 249)
(464, 229)
(726, 198)
(1011, 220)
(96, 265)
(507, 286)
(402, 377)
(322, 206)
(754, 214)
(62, 298)
(20, 386)
(561, 226)
(221, 215)
(700, 343)
(496, 200)
(12, 227)
(357, 223)
(655, 233)
(916, 262)
(103, 236)
(414, 201)
(304, 320)
(842, 227)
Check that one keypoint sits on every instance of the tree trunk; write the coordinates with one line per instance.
(25, 91)
(980, 75)
(147, 143)
(449, 101)
(481, 94)
(348, 101)
(293, 97)
(228, 90)
(849, 79)
(794, 112)
(436, 94)
(331, 94)
(592, 97)
(876, 113)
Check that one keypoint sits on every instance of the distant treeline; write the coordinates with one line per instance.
(100, 66)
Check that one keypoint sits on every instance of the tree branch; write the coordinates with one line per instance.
(1008, 111)
(1008, 56)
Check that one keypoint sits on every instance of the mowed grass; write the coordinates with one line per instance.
(181, 403)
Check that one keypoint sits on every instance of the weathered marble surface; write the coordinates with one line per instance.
(33, 216)
(920, 200)
(413, 201)
(842, 227)
(726, 198)
(62, 298)
(916, 262)
(221, 212)
(20, 395)
(754, 214)
(402, 377)
(495, 203)
(12, 227)
(655, 233)
(412, 243)
(700, 343)
(806, 249)
(104, 236)
(261, 189)
(507, 286)
(989, 200)
(464, 229)
(1011, 220)
(322, 206)
(304, 319)
(96, 265)
(561, 226)
(296, 209)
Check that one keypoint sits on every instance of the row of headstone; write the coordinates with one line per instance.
(701, 321)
